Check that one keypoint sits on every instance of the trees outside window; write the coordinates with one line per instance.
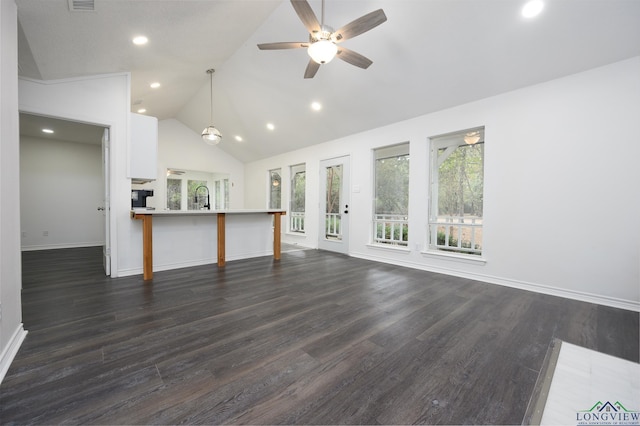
(275, 188)
(174, 194)
(297, 199)
(457, 188)
(391, 197)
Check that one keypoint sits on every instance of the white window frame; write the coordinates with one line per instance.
(450, 142)
(392, 221)
(296, 219)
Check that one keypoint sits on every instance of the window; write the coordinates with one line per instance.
(225, 198)
(197, 194)
(174, 194)
(275, 188)
(297, 200)
(457, 184)
(221, 194)
(391, 197)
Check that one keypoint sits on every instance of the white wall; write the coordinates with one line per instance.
(104, 101)
(61, 187)
(179, 147)
(180, 242)
(11, 330)
(561, 206)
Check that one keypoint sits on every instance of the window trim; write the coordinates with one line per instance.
(436, 143)
(293, 171)
(381, 153)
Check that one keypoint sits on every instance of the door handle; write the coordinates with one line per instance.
(346, 209)
(100, 209)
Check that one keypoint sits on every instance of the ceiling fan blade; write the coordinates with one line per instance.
(283, 45)
(306, 15)
(353, 58)
(360, 25)
(312, 69)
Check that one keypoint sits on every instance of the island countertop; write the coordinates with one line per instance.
(146, 217)
(143, 211)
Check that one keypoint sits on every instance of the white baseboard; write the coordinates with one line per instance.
(9, 353)
(629, 305)
(189, 264)
(61, 246)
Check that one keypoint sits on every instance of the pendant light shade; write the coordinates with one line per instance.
(211, 135)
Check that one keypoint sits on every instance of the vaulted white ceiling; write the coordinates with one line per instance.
(429, 55)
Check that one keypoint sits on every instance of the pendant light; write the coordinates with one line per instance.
(211, 135)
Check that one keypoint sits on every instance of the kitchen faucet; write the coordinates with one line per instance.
(195, 197)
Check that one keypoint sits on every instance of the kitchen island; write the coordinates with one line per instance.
(247, 219)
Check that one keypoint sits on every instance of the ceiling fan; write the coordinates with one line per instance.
(323, 44)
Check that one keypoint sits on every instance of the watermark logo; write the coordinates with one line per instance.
(606, 413)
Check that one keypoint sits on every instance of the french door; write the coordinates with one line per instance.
(334, 205)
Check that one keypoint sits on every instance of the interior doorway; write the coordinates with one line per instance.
(334, 205)
(64, 191)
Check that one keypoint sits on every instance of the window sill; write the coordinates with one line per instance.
(296, 234)
(390, 248)
(455, 257)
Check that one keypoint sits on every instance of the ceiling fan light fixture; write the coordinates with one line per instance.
(211, 135)
(322, 51)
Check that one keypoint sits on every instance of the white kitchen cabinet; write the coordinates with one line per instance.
(143, 147)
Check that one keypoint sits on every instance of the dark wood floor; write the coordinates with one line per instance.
(316, 338)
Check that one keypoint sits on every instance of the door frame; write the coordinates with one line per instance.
(342, 245)
(108, 174)
(106, 207)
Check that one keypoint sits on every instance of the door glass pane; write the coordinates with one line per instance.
(333, 230)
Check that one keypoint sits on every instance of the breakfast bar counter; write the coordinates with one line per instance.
(146, 216)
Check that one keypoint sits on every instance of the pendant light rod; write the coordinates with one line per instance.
(210, 72)
(211, 135)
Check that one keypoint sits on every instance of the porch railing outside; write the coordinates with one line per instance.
(296, 223)
(457, 233)
(391, 229)
(332, 228)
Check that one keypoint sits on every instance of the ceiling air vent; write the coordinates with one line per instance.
(82, 5)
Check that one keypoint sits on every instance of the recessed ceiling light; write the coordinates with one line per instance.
(140, 40)
(142, 110)
(238, 138)
(154, 85)
(270, 126)
(532, 8)
(316, 106)
(47, 131)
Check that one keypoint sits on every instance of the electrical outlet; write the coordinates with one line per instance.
(45, 233)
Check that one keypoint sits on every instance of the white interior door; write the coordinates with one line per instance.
(334, 205)
(106, 209)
